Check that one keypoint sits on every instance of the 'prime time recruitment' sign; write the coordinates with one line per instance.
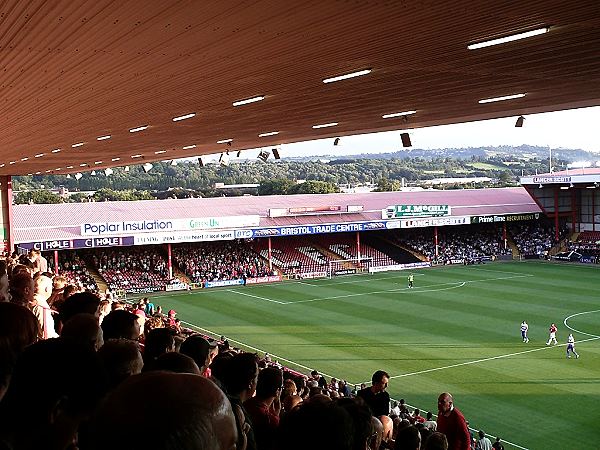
(404, 211)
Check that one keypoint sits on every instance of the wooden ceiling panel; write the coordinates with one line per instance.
(76, 70)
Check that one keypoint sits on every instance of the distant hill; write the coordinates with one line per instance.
(505, 152)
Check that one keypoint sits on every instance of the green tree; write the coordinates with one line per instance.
(275, 187)
(37, 197)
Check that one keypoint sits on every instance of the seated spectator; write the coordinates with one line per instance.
(189, 412)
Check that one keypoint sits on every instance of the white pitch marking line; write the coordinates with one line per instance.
(256, 296)
(416, 290)
(491, 358)
(241, 344)
(577, 331)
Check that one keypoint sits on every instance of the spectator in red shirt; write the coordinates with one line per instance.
(452, 423)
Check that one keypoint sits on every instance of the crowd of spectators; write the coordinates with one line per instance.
(587, 244)
(72, 267)
(218, 261)
(134, 270)
(464, 245)
(534, 238)
(83, 370)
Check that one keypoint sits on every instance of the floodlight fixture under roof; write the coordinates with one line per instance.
(399, 114)
(246, 101)
(185, 116)
(325, 125)
(500, 99)
(347, 76)
(270, 133)
(136, 129)
(510, 38)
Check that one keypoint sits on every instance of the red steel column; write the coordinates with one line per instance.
(56, 262)
(556, 233)
(435, 241)
(270, 260)
(170, 260)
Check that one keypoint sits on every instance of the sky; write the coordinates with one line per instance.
(575, 128)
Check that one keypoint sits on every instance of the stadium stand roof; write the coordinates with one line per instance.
(76, 71)
(64, 221)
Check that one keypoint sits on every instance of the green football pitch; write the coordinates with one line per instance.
(457, 330)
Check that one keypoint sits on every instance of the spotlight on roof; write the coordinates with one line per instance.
(126, 169)
(147, 167)
(200, 162)
(405, 140)
(78, 176)
(68, 175)
(541, 186)
(336, 141)
(519, 122)
(264, 155)
(108, 171)
(239, 153)
(276, 154)
(224, 159)
(174, 162)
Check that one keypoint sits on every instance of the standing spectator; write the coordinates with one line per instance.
(452, 423)
(430, 423)
(483, 443)
(375, 396)
(265, 406)
(498, 445)
(42, 290)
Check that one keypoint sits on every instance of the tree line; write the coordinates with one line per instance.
(188, 179)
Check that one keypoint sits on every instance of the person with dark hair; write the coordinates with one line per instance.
(483, 443)
(18, 329)
(21, 289)
(430, 423)
(121, 359)
(238, 381)
(173, 362)
(437, 441)
(408, 438)
(158, 341)
(265, 406)
(85, 329)
(80, 303)
(375, 396)
(121, 324)
(200, 350)
(362, 423)
(189, 412)
(452, 423)
(316, 425)
(55, 385)
(498, 444)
